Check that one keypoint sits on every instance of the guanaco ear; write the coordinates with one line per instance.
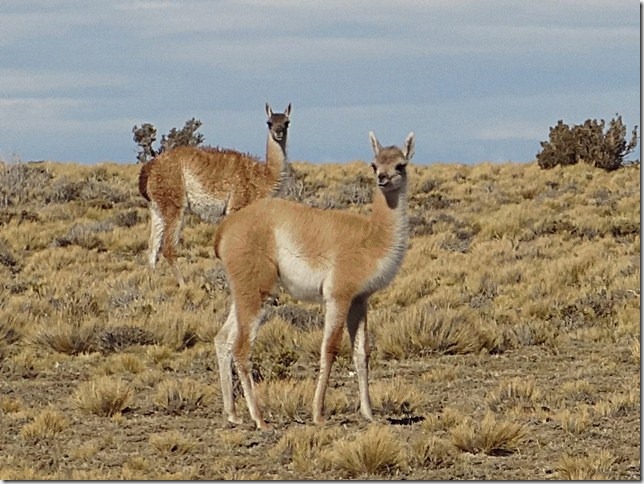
(287, 111)
(269, 111)
(375, 144)
(408, 146)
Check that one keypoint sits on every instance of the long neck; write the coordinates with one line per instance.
(276, 159)
(390, 217)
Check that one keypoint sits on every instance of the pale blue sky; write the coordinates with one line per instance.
(476, 80)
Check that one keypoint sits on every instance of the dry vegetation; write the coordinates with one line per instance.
(508, 347)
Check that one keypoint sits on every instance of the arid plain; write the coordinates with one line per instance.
(508, 346)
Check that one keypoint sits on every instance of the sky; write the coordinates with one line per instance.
(475, 80)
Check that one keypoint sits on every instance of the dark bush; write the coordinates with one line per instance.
(120, 337)
(146, 135)
(588, 143)
(186, 136)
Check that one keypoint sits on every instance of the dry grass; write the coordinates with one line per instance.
(181, 396)
(594, 466)
(396, 397)
(519, 393)
(172, 442)
(104, 396)
(46, 424)
(490, 436)
(376, 451)
(63, 337)
(519, 296)
(432, 452)
(304, 448)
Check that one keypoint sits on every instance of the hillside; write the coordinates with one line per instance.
(508, 346)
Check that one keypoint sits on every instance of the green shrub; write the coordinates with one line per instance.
(587, 143)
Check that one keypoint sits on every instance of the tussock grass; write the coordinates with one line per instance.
(172, 442)
(396, 397)
(618, 403)
(426, 330)
(574, 422)
(10, 405)
(118, 338)
(177, 334)
(103, 396)
(490, 436)
(432, 452)
(310, 344)
(447, 419)
(46, 424)
(136, 468)
(593, 466)
(515, 393)
(635, 350)
(292, 398)
(304, 448)
(276, 349)
(122, 363)
(88, 450)
(376, 451)
(180, 396)
(63, 337)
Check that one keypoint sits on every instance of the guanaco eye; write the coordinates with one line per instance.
(286, 123)
(373, 165)
(400, 167)
(270, 124)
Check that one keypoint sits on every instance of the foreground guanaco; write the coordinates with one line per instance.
(335, 257)
(211, 183)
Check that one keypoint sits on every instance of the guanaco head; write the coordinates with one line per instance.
(278, 122)
(390, 162)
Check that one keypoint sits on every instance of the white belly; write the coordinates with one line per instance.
(297, 276)
(208, 206)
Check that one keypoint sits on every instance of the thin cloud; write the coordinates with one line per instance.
(18, 81)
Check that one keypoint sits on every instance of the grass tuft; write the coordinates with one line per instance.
(489, 436)
(396, 397)
(432, 452)
(46, 424)
(515, 393)
(172, 442)
(104, 396)
(63, 337)
(593, 466)
(376, 451)
(419, 332)
(180, 396)
(303, 447)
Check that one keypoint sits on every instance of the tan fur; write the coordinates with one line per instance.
(330, 256)
(210, 182)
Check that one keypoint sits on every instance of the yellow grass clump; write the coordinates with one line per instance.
(46, 424)
(103, 396)
(376, 451)
(490, 436)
